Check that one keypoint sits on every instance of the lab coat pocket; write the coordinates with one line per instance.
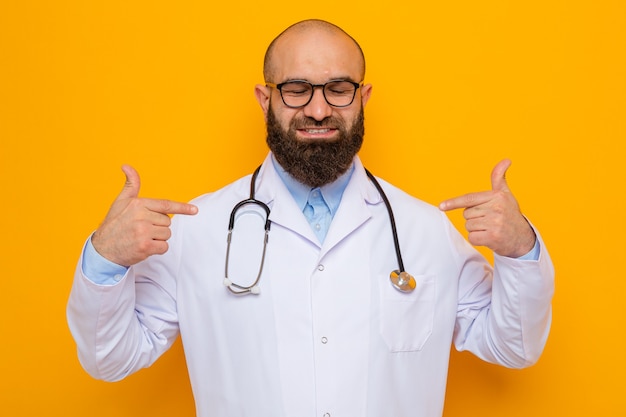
(406, 320)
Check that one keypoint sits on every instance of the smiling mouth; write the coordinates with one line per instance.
(318, 134)
(317, 131)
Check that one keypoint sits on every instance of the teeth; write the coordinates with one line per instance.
(317, 131)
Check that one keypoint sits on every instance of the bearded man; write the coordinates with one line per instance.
(294, 314)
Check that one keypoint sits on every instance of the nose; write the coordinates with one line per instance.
(318, 108)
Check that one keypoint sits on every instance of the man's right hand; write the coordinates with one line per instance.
(136, 228)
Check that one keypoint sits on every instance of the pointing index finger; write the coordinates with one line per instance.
(170, 207)
(464, 201)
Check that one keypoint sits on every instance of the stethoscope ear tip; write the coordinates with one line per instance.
(239, 290)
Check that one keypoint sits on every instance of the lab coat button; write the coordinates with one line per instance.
(320, 267)
(326, 415)
(324, 340)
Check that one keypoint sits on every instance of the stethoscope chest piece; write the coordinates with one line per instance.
(402, 281)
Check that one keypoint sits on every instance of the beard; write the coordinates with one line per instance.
(315, 162)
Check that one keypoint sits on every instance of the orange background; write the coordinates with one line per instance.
(168, 87)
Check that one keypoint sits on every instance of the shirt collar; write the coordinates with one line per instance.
(331, 193)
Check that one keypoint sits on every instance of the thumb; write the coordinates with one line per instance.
(132, 184)
(498, 176)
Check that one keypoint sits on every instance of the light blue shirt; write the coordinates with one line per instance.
(99, 269)
(318, 205)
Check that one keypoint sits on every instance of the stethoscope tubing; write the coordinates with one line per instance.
(236, 288)
(400, 279)
(392, 220)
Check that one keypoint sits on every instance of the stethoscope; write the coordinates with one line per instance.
(400, 279)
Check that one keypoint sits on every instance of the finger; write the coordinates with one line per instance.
(478, 237)
(170, 207)
(473, 212)
(161, 233)
(132, 184)
(154, 247)
(476, 225)
(498, 176)
(465, 201)
(158, 219)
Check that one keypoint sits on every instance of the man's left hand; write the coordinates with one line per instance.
(493, 218)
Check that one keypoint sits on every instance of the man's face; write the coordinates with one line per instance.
(315, 143)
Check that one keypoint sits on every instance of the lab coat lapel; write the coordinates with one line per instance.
(354, 208)
(284, 211)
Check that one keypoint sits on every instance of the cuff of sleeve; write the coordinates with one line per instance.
(100, 270)
(533, 255)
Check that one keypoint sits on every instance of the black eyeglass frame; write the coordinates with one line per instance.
(279, 87)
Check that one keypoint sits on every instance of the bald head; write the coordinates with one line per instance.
(306, 33)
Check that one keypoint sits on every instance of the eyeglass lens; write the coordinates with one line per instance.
(336, 93)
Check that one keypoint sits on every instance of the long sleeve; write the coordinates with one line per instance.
(126, 326)
(513, 328)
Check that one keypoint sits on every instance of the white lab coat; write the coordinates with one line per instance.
(328, 335)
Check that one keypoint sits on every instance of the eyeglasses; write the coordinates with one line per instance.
(295, 94)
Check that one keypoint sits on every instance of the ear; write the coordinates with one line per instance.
(262, 94)
(366, 92)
